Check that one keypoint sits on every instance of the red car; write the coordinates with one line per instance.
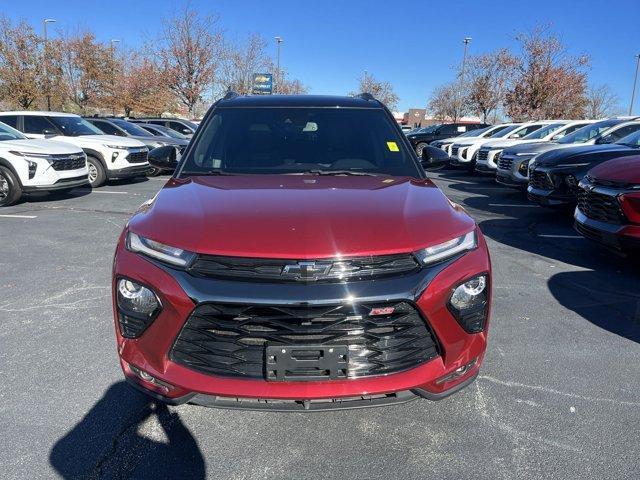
(608, 208)
(300, 259)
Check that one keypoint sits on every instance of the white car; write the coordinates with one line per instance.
(37, 165)
(489, 154)
(108, 156)
(486, 132)
(464, 153)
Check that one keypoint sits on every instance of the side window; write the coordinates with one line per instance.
(36, 124)
(107, 128)
(623, 132)
(569, 130)
(526, 131)
(446, 130)
(178, 127)
(157, 122)
(11, 120)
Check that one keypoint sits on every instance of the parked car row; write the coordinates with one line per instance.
(591, 166)
(55, 151)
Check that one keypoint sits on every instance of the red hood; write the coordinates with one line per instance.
(300, 216)
(622, 170)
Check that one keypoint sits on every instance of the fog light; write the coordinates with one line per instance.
(468, 303)
(114, 156)
(458, 372)
(33, 166)
(523, 168)
(138, 306)
(155, 384)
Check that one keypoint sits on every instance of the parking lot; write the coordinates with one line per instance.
(557, 396)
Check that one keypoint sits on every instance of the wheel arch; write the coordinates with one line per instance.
(6, 163)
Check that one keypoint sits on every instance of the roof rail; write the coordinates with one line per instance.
(365, 96)
(230, 95)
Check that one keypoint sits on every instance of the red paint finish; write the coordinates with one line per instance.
(623, 170)
(299, 216)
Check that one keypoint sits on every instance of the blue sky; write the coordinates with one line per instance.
(412, 44)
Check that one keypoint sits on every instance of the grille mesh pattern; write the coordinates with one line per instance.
(483, 155)
(598, 206)
(138, 157)
(505, 163)
(230, 340)
(68, 162)
(540, 180)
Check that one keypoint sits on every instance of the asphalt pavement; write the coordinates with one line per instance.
(557, 396)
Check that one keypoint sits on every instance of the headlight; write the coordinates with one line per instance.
(159, 251)
(138, 306)
(447, 249)
(116, 147)
(523, 168)
(527, 154)
(468, 303)
(30, 154)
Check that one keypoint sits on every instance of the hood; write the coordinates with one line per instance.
(40, 146)
(562, 156)
(478, 141)
(152, 142)
(104, 140)
(533, 148)
(619, 170)
(300, 216)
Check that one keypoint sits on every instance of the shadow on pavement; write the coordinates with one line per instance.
(611, 302)
(108, 443)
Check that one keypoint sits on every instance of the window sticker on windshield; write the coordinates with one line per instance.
(393, 146)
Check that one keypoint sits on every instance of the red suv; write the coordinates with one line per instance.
(608, 208)
(299, 259)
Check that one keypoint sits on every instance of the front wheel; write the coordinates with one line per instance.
(153, 172)
(10, 189)
(97, 175)
(419, 149)
(471, 166)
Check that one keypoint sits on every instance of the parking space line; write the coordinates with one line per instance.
(548, 235)
(19, 216)
(104, 191)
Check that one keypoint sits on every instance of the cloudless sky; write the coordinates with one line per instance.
(412, 44)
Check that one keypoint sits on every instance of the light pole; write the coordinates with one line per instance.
(113, 85)
(466, 41)
(635, 80)
(279, 40)
(46, 62)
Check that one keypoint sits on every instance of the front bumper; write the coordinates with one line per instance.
(128, 172)
(485, 168)
(620, 238)
(505, 178)
(62, 184)
(430, 291)
(550, 198)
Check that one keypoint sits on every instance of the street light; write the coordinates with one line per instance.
(113, 86)
(466, 41)
(635, 80)
(279, 40)
(46, 62)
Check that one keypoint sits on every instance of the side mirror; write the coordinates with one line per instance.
(428, 160)
(604, 140)
(164, 158)
(48, 133)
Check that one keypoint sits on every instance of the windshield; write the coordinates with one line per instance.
(632, 140)
(75, 126)
(475, 133)
(428, 129)
(164, 131)
(300, 140)
(589, 132)
(131, 128)
(505, 131)
(544, 131)
(8, 133)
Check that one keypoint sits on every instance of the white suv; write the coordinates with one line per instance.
(108, 156)
(37, 165)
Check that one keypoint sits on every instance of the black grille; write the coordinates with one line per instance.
(601, 207)
(454, 151)
(280, 270)
(540, 180)
(505, 163)
(230, 340)
(68, 162)
(483, 155)
(138, 157)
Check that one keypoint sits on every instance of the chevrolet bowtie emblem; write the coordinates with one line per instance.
(306, 270)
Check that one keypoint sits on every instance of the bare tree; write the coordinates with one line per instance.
(489, 75)
(381, 90)
(241, 62)
(20, 64)
(191, 54)
(548, 82)
(601, 102)
(445, 103)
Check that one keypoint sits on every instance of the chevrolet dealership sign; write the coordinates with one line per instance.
(262, 84)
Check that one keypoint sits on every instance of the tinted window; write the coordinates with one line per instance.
(131, 128)
(75, 126)
(36, 124)
(11, 120)
(632, 140)
(106, 127)
(179, 127)
(524, 131)
(544, 131)
(297, 140)
(504, 132)
(623, 132)
(450, 129)
(8, 133)
(157, 122)
(569, 130)
(592, 130)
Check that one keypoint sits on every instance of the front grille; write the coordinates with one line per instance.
(505, 163)
(483, 155)
(281, 270)
(540, 180)
(454, 151)
(601, 207)
(231, 340)
(68, 162)
(138, 157)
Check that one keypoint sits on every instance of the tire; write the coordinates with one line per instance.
(154, 172)
(471, 166)
(97, 175)
(10, 188)
(419, 148)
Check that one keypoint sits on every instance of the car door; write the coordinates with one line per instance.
(38, 126)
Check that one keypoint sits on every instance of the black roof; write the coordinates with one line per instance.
(298, 101)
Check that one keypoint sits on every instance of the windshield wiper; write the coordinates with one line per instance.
(208, 172)
(319, 171)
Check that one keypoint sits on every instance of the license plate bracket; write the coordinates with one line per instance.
(306, 362)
